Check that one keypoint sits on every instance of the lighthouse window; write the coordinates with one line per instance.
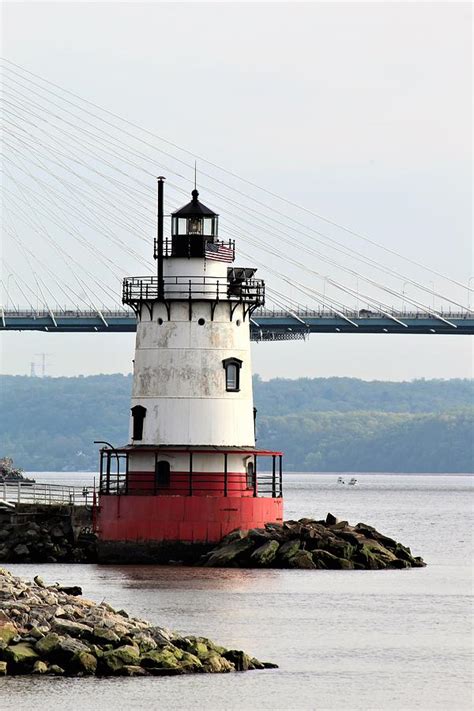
(138, 415)
(232, 374)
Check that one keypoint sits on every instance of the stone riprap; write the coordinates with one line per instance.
(45, 630)
(312, 545)
(47, 534)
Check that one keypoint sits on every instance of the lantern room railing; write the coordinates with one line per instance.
(180, 288)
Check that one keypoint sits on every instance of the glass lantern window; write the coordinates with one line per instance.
(208, 226)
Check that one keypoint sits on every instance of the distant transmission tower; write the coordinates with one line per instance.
(43, 357)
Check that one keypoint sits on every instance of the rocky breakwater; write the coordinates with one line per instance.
(47, 630)
(47, 534)
(310, 544)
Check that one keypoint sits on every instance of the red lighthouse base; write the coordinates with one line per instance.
(139, 518)
(203, 519)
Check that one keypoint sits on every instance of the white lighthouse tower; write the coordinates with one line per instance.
(190, 471)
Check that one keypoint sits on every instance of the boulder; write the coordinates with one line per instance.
(398, 563)
(216, 664)
(302, 559)
(229, 554)
(40, 667)
(48, 644)
(160, 659)
(56, 532)
(288, 549)
(144, 641)
(71, 590)
(84, 663)
(74, 629)
(371, 532)
(22, 656)
(264, 554)
(105, 634)
(114, 659)
(402, 552)
(3, 668)
(7, 632)
(331, 520)
(338, 547)
(259, 534)
(366, 557)
(56, 670)
(191, 662)
(235, 535)
(240, 660)
(326, 560)
(200, 649)
(132, 670)
(21, 551)
(67, 648)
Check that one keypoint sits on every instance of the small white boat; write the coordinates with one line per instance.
(340, 480)
(353, 481)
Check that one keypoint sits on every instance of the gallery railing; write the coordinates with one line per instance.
(146, 288)
(117, 479)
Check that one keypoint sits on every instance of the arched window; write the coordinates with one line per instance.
(250, 475)
(162, 474)
(232, 368)
(138, 415)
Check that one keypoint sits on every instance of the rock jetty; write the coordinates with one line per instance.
(44, 629)
(329, 544)
(47, 534)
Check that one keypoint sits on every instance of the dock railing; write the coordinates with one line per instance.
(52, 494)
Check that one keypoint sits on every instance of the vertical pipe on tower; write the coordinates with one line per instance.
(161, 286)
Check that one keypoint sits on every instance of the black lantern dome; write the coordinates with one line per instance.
(194, 219)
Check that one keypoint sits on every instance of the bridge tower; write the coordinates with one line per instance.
(191, 472)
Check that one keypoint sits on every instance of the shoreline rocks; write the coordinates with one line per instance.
(38, 533)
(308, 544)
(61, 534)
(45, 631)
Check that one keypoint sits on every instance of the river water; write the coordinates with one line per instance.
(344, 640)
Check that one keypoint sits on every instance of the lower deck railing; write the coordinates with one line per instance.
(117, 479)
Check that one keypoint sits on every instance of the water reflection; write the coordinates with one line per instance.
(183, 578)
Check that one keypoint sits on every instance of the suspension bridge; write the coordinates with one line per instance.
(79, 214)
(265, 325)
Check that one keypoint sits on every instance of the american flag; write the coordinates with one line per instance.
(219, 252)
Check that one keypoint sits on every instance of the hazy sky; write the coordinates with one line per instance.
(359, 111)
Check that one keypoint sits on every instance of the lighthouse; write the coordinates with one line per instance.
(191, 472)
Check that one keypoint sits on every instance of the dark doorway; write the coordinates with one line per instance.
(162, 474)
(250, 475)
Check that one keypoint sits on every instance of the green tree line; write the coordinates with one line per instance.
(322, 424)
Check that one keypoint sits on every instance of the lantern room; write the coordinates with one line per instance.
(194, 219)
(192, 227)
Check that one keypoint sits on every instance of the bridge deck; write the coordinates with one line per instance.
(265, 324)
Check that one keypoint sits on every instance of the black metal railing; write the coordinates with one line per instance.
(117, 479)
(183, 288)
(193, 246)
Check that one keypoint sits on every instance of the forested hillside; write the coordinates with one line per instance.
(322, 424)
